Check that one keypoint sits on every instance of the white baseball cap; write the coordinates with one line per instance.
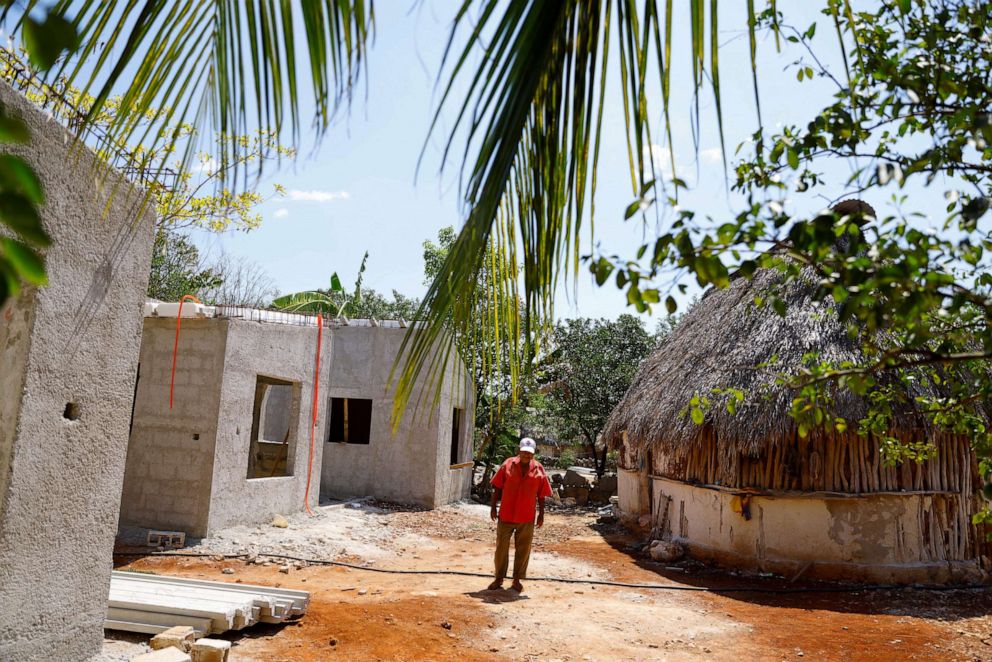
(528, 444)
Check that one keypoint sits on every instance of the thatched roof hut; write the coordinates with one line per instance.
(757, 451)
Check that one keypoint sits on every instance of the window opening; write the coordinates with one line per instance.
(456, 429)
(351, 421)
(273, 427)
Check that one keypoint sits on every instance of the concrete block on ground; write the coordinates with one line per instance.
(211, 650)
(580, 494)
(607, 483)
(180, 636)
(166, 539)
(578, 478)
(599, 496)
(163, 655)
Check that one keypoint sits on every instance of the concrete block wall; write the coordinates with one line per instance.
(287, 353)
(170, 456)
(453, 484)
(70, 348)
(411, 465)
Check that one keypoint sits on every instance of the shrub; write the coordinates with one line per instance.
(566, 458)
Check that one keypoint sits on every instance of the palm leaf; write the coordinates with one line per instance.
(532, 125)
(228, 65)
(310, 302)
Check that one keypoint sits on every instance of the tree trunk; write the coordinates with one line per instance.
(484, 489)
(601, 463)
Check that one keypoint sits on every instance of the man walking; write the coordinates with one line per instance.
(522, 484)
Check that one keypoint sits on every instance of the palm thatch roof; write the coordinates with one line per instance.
(720, 344)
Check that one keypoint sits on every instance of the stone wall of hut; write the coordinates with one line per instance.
(827, 500)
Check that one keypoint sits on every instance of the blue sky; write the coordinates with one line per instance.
(357, 191)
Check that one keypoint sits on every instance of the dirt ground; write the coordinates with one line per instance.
(360, 614)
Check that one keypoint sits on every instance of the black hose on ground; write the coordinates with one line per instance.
(596, 582)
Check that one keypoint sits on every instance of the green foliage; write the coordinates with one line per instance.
(566, 458)
(236, 66)
(46, 40)
(371, 304)
(200, 198)
(612, 458)
(502, 375)
(910, 108)
(532, 122)
(505, 446)
(190, 197)
(332, 302)
(177, 269)
(589, 368)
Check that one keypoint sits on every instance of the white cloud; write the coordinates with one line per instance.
(282, 213)
(660, 158)
(317, 196)
(206, 166)
(711, 155)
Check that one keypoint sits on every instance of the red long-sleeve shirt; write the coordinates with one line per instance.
(520, 491)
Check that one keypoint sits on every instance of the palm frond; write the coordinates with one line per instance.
(532, 121)
(231, 65)
(311, 302)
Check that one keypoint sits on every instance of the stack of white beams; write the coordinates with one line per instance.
(153, 603)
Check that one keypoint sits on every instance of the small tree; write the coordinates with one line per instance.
(178, 269)
(588, 371)
(503, 381)
(332, 302)
(239, 282)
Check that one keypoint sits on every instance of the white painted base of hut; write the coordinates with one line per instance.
(883, 538)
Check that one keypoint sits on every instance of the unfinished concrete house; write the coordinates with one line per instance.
(68, 354)
(428, 461)
(234, 447)
(227, 440)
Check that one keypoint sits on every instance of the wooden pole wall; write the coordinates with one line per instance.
(850, 465)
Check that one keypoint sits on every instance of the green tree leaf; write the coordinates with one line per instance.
(28, 264)
(19, 214)
(18, 177)
(46, 40)
(13, 129)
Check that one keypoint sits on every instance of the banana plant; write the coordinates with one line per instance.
(332, 302)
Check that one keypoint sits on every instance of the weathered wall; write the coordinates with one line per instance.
(880, 538)
(410, 466)
(285, 352)
(62, 478)
(453, 484)
(629, 493)
(170, 456)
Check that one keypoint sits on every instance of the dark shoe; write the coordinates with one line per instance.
(495, 586)
(517, 586)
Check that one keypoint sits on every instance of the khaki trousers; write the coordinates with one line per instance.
(523, 535)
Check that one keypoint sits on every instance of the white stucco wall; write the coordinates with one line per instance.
(871, 537)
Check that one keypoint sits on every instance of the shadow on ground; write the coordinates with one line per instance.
(937, 602)
(499, 596)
